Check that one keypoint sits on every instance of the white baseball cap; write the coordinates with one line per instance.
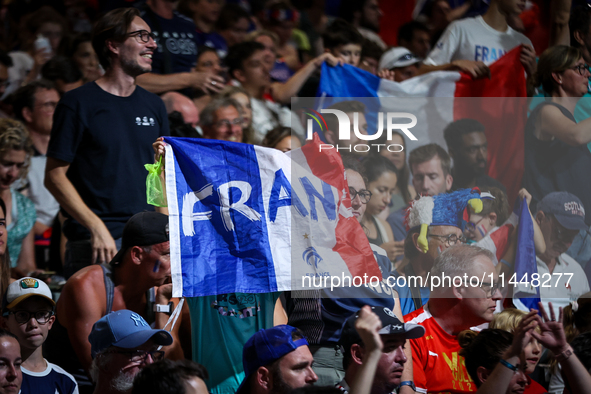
(397, 57)
(24, 288)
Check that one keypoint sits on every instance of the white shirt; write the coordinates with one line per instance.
(46, 205)
(266, 115)
(561, 291)
(22, 63)
(474, 39)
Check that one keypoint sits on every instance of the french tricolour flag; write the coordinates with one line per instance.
(525, 295)
(249, 219)
(501, 107)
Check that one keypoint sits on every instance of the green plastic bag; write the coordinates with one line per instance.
(154, 187)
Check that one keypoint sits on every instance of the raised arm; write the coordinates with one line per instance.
(552, 337)
(283, 92)
(56, 181)
(160, 83)
(476, 69)
(501, 376)
(368, 325)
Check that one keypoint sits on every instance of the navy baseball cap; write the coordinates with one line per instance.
(390, 325)
(143, 229)
(267, 346)
(566, 208)
(124, 329)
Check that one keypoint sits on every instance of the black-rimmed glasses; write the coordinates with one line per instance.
(581, 69)
(23, 317)
(142, 35)
(364, 195)
(450, 239)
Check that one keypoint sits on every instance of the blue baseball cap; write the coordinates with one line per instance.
(267, 346)
(566, 208)
(124, 329)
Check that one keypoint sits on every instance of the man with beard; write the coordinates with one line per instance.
(467, 145)
(276, 361)
(456, 304)
(365, 17)
(430, 166)
(560, 216)
(394, 334)
(122, 344)
(136, 279)
(101, 138)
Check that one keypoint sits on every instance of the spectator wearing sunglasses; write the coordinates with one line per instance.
(28, 310)
(122, 344)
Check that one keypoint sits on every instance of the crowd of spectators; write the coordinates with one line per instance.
(88, 90)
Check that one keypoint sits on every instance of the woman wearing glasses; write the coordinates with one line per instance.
(557, 157)
(382, 178)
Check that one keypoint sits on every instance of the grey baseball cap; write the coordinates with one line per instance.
(566, 208)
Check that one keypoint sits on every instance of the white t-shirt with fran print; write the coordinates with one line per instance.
(474, 39)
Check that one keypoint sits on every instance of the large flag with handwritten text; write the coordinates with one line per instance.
(249, 219)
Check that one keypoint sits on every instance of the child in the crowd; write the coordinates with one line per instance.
(492, 227)
(28, 313)
(508, 320)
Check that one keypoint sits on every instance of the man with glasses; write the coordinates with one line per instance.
(122, 344)
(27, 313)
(221, 120)
(464, 301)
(413, 289)
(560, 216)
(321, 314)
(101, 138)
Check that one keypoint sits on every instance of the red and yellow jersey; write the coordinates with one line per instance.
(437, 365)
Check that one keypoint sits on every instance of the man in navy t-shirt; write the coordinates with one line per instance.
(102, 136)
(176, 55)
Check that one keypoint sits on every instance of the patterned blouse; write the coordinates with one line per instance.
(23, 220)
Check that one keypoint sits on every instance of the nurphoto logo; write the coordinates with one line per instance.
(344, 133)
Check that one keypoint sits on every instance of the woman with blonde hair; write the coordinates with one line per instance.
(16, 150)
(508, 320)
